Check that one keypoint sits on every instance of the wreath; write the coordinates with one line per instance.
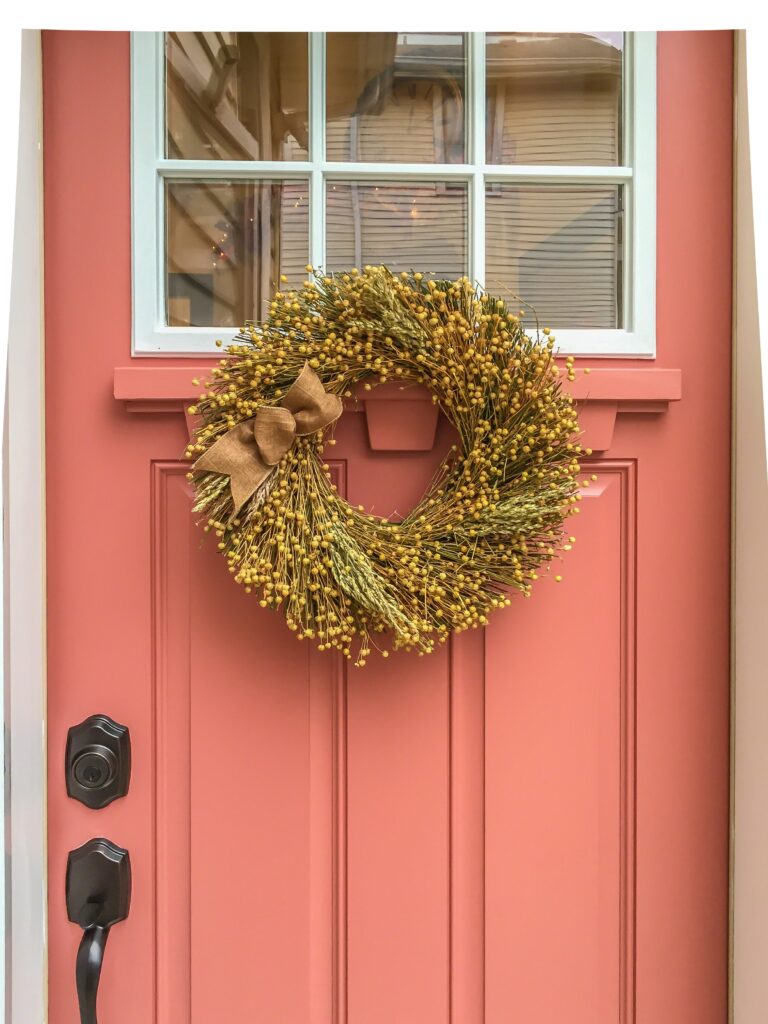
(491, 519)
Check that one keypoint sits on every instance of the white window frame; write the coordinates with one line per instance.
(637, 175)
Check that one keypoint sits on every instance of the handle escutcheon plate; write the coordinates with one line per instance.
(98, 897)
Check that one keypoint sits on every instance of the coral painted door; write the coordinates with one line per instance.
(529, 825)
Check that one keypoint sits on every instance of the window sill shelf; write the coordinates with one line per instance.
(602, 395)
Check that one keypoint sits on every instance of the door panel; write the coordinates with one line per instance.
(249, 794)
(560, 779)
(284, 772)
(530, 824)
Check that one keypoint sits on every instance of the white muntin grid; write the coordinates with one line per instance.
(637, 175)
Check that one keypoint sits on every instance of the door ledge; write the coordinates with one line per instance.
(602, 396)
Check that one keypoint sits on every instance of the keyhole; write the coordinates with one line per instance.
(95, 768)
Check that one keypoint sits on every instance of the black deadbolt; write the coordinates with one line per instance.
(95, 768)
(98, 761)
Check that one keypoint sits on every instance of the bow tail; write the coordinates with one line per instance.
(236, 455)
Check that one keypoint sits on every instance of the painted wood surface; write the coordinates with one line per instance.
(531, 824)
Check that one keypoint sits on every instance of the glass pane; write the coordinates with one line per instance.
(405, 224)
(395, 96)
(227, 244)
(554, 98)
(237, 95)
(558, 248)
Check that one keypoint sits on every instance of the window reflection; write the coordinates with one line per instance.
(395, 97)
(554, 98)
(559, 248)
(237, 95)
(409, 225)
(227, 244)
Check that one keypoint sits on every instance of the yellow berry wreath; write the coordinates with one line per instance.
(491, 518)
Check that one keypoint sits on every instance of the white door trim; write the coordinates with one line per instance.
(749, 581)
(24, 577)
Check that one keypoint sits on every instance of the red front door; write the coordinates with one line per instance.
(529, 825)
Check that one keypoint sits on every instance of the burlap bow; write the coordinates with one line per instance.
(248, 453)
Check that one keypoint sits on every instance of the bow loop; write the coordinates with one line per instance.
(248, 453)
(312, 407)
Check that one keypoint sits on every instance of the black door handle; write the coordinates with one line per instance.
(98, 896)
(90, 957)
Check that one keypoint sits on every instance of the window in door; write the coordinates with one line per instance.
(524, 160)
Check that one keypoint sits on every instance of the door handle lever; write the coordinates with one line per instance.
(98, 896)
(90, 956)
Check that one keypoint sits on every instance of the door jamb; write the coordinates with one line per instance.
(748, 982)
(24, 576)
